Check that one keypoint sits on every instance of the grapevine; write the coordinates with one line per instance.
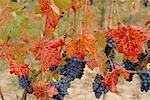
(48, 44)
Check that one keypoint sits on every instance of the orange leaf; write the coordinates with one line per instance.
(52, 20)
(82, 46)
(44, 6)
(43, 90)
(76, 48)
(130, 40)
(52, 17)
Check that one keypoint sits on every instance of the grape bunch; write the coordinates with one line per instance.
(62, 87)
(98, 87)
(109, 68)
(145, 81)
(24, 81)
(109, 49)
(74, 68)
(52, 68)
(146, 3)
(64, 54)
(110, 52)
(142, 56)
(148, 44)
(13, 0)
(109, 46)
(130, 66)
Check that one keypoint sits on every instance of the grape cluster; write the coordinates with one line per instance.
(148, 44)
(146, 3)
(98, 87)
(109, 51)
(64, 54)
(62, 87)
(24, 81)
(145, 81)
(109, 46)
(129, 66)
(13, 0)
(52, 68)
(74, 68)
(142, 56)
(109, 68)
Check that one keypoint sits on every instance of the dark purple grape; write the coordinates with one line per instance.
(148, 44)
(98, 87)
(130, 66)
(24, 81)
(64, 54)
(62, 87)
(145, 81)
(74, 68)
(142, 56)
(109, 49)
(13, 0)
(52, 68)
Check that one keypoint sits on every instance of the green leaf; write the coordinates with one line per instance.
(63, 4)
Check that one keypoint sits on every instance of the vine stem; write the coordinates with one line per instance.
(85, 9)
(117, 11)
(1, 93)
(110, 15)
(24, 95)
(104, 96)
(75, 17)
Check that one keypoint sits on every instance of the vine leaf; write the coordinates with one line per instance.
(63, 4)
(16, 51)
(46, 51)
(77, 4)
(52, 16)
(43, 90)
(101, 39)
(111, 78)
(130, 40)
(5, 17)
(16, 68)
(92, 63)
(82, 46)
(45, 6)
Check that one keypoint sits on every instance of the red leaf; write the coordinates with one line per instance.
(46, 51)
(76, 5)
(50, 57)
(111, 78)
(92, 63)
(130, 40)
(16, 68)
(43, 90)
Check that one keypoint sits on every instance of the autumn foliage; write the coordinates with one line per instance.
(82, 43)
